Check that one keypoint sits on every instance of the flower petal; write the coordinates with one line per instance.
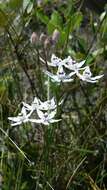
(97, 77)
(17, 123)
(40, 114)
(80, 64)
(27, 106)
(23, 111)
(68, 80)
(14, 119)
(91, 81)
(52, 114)
(54, 120)
(35, 120)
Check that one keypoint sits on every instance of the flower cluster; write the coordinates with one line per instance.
(46, 112)
(74, 68)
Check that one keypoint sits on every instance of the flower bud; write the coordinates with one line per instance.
(39, 3)
(34, 38)
(55, 36)
(47, 42)
(42, 37)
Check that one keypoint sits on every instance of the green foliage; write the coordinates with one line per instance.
(3, 17)
(42, 16)
(55, 22)
(70, 154)
(27, 5)
(14, 5)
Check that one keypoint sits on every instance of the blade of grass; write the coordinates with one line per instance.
(16, 146)
(69, 181)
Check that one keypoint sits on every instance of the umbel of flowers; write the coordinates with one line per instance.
(46, 111)
(73, 67)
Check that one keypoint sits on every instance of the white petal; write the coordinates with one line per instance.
(54, 77)
(66, 60)
(45, 122)
(53, 58)
(35, 120)
(68, 66)
(80, 64)
(54, 120)
(80, 76)
(40, 114)
(49, 104)
(15, 119)
(97, 77)
(29, 114)
(52, 64)
(15, 124)
(67, 80)
(36, 101)
(60, 69)
(53, 101)
(91, 81)
(52, 114)
(56, 80)
(55, 61)
(71, 74)
(87, 72)
(25, 120)
(83, 68)
(61, 102)
(23, 111)
(27, 106)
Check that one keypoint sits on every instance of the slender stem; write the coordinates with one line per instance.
(48, 89)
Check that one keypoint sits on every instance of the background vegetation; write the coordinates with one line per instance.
(70, 155)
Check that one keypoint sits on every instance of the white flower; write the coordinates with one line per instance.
(70, 64)
(87, 76)
(23, 117)
(48, 105)
(38, 104)
(55, 61)
(60, 76)
(45, 117)
(35, 104)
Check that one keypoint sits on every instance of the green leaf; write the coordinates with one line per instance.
(42, 17)
(103, 30)
(14, 4)
(3, 92)
(24, 185)
(30, 7)
(25, 4)
(3, 19)
(55, 22)
(82, 45)
(89, 59)
(77, 19)
(74, 22)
